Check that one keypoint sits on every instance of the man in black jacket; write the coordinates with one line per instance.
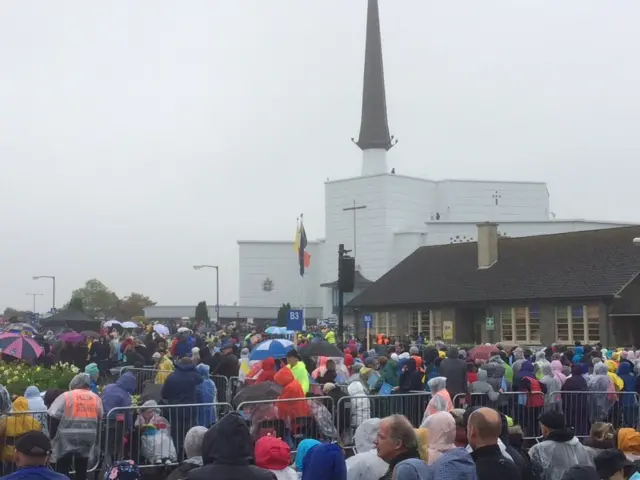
(483, 430)
(455, 371)
(227, 453)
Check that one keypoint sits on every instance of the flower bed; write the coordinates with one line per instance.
(16, 377)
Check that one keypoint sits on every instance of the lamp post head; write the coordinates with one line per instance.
(197, 267)
(36, 278)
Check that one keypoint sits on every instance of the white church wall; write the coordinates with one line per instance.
(477, 201)
(278, 262)
(393, 203)
(405, 243)
(440, 233)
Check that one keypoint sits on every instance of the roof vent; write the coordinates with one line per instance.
(487, 244)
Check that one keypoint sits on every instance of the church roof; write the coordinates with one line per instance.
(374, 128)
(587, 264)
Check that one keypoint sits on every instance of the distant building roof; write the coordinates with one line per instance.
(359, 282)
(595, 263)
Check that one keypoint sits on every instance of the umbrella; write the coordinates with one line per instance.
(273, 330)
(130, 325)
(90, 334)
(183, 329)
(20, 346)
(271, 348)
(71, 337)
(112, 323)
(19, 328)
(161, 329)
(321, 349)
(258, 391)
(481, 352)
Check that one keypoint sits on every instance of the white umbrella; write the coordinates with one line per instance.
(183, 329)
(129, 325)
(161, 329)
(111, 323)
(185, 318)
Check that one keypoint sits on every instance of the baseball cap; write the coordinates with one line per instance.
(34, 444)
(610, 461)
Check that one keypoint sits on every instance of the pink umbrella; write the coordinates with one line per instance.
(19, 346)
(71, 337)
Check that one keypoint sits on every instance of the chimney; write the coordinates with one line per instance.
(487, 244)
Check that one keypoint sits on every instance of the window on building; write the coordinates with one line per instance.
(520, 324)
(428, 322)
(578, 323)
(392, 327)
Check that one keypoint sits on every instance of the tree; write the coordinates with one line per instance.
(12, 312)
(97, 299)
(76, 304)
(133, 305)
(202, 314)
(282, 314)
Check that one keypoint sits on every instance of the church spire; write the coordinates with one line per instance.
(374, 129)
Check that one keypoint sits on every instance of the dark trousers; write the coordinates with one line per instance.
(63, 465)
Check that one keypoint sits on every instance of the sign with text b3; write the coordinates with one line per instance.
(367, 320)
(295, 320)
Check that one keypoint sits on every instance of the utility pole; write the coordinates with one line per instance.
(354, 208)
(346, 272)
(34, 295)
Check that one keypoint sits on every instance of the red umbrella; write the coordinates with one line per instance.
(481, 352)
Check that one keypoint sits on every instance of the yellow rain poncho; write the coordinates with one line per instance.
(165, 368)
(612, 367)
(16, 424)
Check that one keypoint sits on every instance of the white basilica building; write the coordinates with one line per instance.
(398, 214)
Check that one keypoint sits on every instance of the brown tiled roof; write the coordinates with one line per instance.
(595, 263)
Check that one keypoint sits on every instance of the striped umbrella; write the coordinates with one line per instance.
(19, 346)
(271, 348)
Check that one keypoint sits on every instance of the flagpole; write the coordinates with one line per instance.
(302, 306)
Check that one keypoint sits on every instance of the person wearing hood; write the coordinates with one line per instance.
(36, 404)
(541, 360)
(411, 378)
(15, 425)
(628, 442)
(457, 463)
(341, 409)
(227, 453)
(206, 393)
(553, 386)
(298, 370)
(455, 371)
(388, 374)
(575, 408)
(304, 447)
(360, 406)
(441, 428)
(268, 371)
(193, 450)
(325, 461)
(274, 455)
(518, 358)
(559, 450)
(164, 366)
(534, 390)
(495, 368)
(483, 390)
(612, 367)
(366, 464)
(180, 388)
(600, 404)
(628, 401)
(118, 395)
(291, 389)
(93, 372)
(440, 399)
(31, 457)
(244, 366)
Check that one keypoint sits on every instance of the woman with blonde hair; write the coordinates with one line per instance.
(601, 437)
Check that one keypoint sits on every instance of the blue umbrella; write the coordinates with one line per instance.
(271, 348)
(272, 331)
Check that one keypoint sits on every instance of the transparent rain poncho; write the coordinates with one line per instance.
(78, 412)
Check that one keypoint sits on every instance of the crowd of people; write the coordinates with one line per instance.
(398, 411)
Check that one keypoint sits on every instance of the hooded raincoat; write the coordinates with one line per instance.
(440, 399)
(206, 393)
(366, 463)
(455, 371)
(360, 406)
(290, 410)
(442, 434)
(36, 404)
(559, 451)
(119, 395)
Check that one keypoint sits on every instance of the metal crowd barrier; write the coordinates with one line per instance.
(352, 411)
(233, 387)
(276, 417)
(129, 435)
(512, 404)
(222, 388)
(582, 408)
(143, 376)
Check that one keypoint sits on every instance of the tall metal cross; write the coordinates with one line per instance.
(497, 196)
(354, 208)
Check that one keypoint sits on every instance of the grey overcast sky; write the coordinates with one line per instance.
(140, 137)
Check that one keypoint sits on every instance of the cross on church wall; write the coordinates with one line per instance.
(496, 196)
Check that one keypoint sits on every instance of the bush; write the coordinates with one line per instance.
(16, 377)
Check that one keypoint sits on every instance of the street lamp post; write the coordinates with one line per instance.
(34, 295)
(200, 267)
(53, 296)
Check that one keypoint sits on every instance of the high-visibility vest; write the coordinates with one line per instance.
(80, 404)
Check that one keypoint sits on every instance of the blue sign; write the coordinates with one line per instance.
(295, 320)
(367, 321)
